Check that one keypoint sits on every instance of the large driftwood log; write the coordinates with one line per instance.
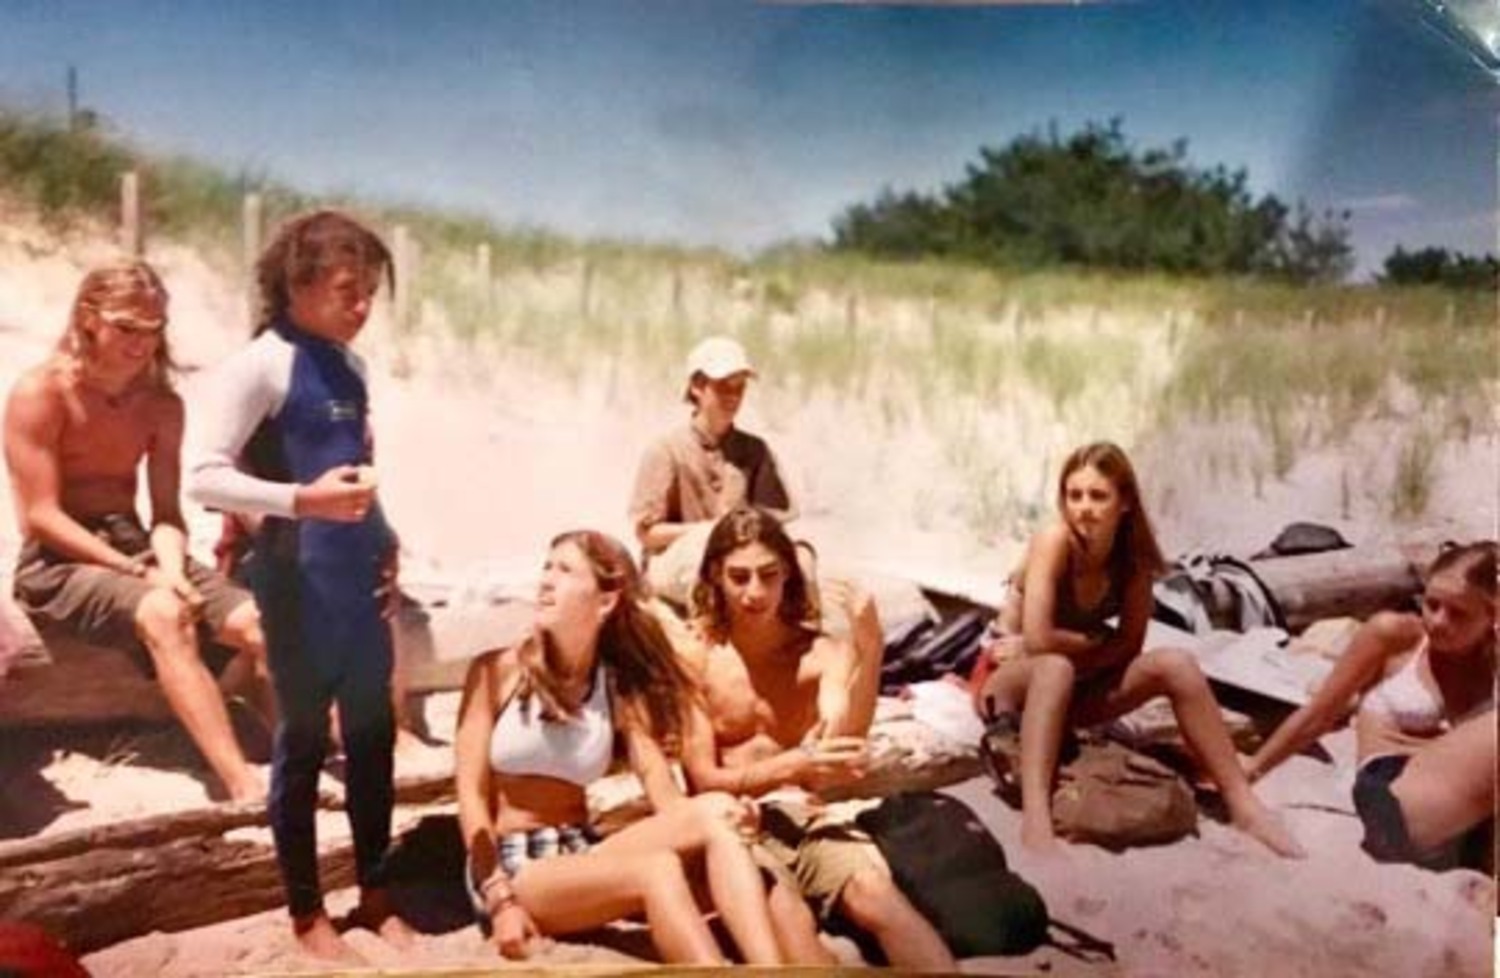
(1352, 583)
(95, 887)
(65, 681)
(70, 682)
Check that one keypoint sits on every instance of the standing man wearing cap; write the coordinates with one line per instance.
(697, 473)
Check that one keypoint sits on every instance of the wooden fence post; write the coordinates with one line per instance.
(132, 232)
(586, 289)
(405, 275)
(482, 273)
(252, 227)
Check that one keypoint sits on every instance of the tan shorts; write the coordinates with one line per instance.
(98, 605)
(817, 849)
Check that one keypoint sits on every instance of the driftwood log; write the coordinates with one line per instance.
(64, 681)
(68, 682)
(98, 886)
(1353, 583)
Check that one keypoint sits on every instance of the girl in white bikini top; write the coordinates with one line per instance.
(575, 749)
(1412, 706)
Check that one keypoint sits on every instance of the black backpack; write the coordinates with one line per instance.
(954, 871)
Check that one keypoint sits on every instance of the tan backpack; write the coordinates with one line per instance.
(1105, 793)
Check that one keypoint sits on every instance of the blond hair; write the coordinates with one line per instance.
(121, 286)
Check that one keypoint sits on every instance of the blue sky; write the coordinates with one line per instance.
(739, 124)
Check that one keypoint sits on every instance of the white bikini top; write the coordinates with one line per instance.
(1409, 704)
(575, 749)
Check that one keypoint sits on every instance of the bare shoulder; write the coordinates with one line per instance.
(44, 384)
(496, 664)
(1047, 549)
(1052, 538)
(39, 396)
(1393, 632)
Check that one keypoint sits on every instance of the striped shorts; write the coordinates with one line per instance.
(516, 849)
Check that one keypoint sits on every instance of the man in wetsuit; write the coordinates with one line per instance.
(286, 441)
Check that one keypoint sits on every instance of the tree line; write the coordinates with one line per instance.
(1091, 199)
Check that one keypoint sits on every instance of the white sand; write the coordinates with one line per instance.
(479, 475)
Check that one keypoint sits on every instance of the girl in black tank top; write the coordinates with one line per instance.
(1059, 661)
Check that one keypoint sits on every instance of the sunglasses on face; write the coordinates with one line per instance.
(131, 322)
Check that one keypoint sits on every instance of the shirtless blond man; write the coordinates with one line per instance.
(786, 710)
(77, 428)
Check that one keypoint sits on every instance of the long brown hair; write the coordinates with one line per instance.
(1135, 549)
(118, 287)
(306, 247)
(738, 528)
(644, 673)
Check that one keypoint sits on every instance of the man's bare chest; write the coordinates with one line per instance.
(773, 704)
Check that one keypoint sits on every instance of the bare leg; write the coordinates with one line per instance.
(1176, 675)
(406, 741)
(247, 674)
(703, 824)
(872, 902)
(1448, 786)
(1042, 688)
(192, 693)
(796, 928)
(566, 894)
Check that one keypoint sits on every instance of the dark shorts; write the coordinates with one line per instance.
(1387, 838)
(98, 605)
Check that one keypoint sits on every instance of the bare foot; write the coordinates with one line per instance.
(1266, 827)
(375, 913)
(1040, 840)
(316, 936)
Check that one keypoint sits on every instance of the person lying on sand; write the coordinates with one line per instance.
(1059, 662)
(323, 549)
(1425, 721)
(786, 710)
(77, 428)
(539, 721)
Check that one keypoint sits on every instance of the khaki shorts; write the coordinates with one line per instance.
(817, 849)
(98, 605)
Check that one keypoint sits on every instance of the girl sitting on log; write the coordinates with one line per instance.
(1425, 722)
(1059, 663)
(539, 721)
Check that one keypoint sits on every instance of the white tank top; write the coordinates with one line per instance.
(573, 749)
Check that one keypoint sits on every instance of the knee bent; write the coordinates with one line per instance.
(161, 617)
(1053, 669)
(242, 630)
(1176, 670)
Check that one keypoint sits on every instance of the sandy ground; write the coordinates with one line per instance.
(479, 475)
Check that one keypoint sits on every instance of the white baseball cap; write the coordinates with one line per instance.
(718, 357)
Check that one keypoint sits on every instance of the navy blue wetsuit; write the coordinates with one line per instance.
(315, 582)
